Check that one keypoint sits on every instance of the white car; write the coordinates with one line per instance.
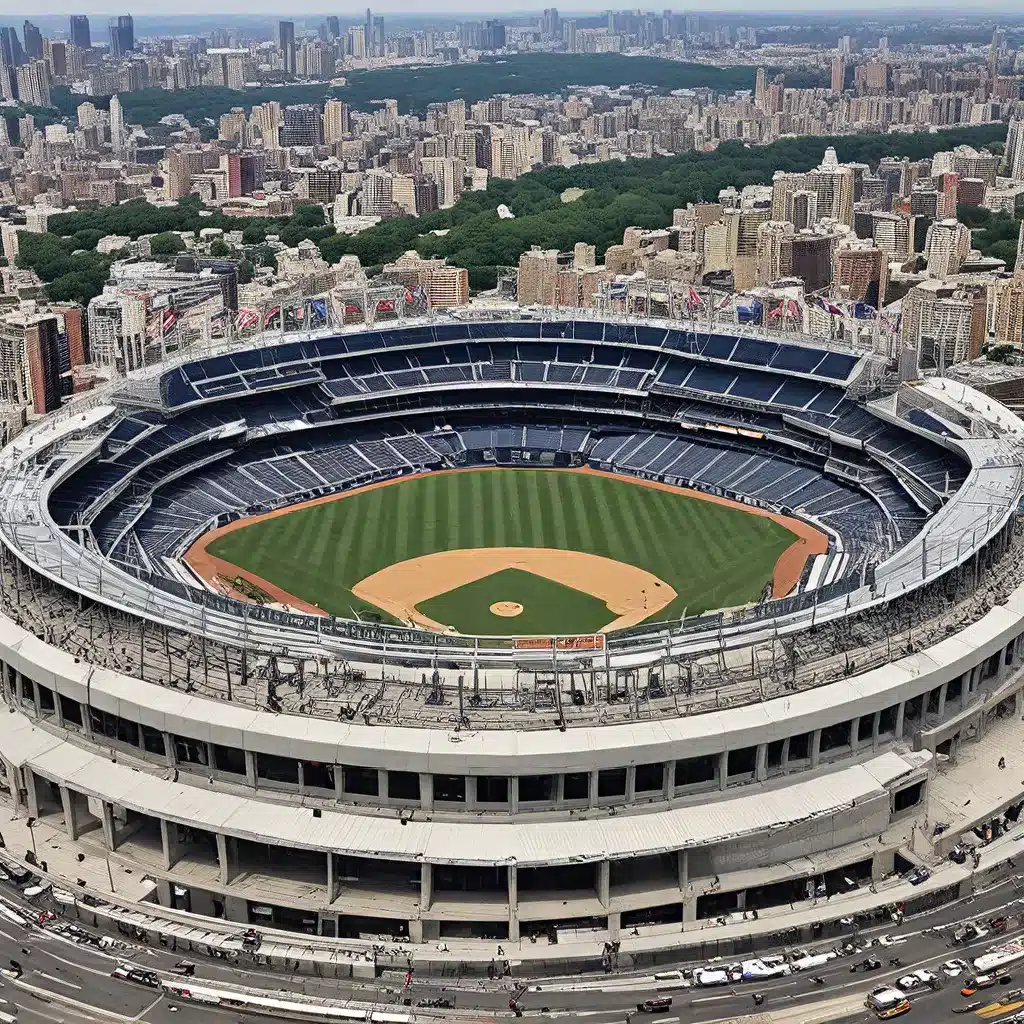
(954, 968)
(706, 977)
(917, 979)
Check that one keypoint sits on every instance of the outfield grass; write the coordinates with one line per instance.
(712, 555)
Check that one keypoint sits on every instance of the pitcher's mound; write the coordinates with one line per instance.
(506, 609)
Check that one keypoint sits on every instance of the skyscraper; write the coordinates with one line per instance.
(122, 36)
(10, 45)
(333, 27)
(286, 44)
(302, 125)
(33, 41)
(116, 124)
(34, 83)
(80, 31)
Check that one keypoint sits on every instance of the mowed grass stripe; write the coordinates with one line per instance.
(711, 555)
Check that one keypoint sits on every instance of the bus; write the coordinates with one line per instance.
(1002, 956)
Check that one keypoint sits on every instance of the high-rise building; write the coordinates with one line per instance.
(10, 47)
(336, 121)
(55, 53)
(861, 273)
(80, 36)
(265, 125)
(42, 363)
(34, 83)
(286, 45)
(946, 246)
(357, 41)
(117, 132)
(122, 36)
(944, 323)
(550, 23)
(333, 27)
(538, 277)
(227, 67)
(1013, 154)
(33, 41)
(301, 125)
(834, 184)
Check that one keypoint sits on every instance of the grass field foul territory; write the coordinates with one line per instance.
(711, 555)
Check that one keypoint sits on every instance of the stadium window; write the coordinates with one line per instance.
(887, 720)
(404, 786)
(742, 761)
(909, 796)
(492, 789)
(317, 775)
(954, 691)
(360, 781)
(800, 747)
(450, 789)
(773, 757)
(835, 737)
(277, 769)
(113, 727)
(153, 741)
(611, 783)
(691, 771)
(189, 751)
(229, 759)
(70, 711)
(576, 786)
(28, 691)
(536, 789)
(866, 728)
(47, 705)
(649, 778)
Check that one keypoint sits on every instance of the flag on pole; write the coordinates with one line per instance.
(830, 307)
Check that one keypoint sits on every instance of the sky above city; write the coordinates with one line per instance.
(15, 9)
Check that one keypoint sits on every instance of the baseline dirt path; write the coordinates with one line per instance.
(217, 572)
(631, 593)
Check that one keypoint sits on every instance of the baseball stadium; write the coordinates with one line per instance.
(445, 631)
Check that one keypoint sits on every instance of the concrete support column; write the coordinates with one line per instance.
(236, 909)
(70, 812)
(604, 879)
(815, 747)
(900, 713)
(426, 886)
(416, 931)
(339, 782)
(875, 724)
(785, 756)
(426, 791)
(854, 725)
(592, 791)
(31, 796)
(683, 858)
(14, 781)
(382, 784)
(741, 899)
(668, 784)
(761, 768)
(109, 832)
(513, 903)
(723, 769)
(227, 857)
(332, 879)
(470, 788)
(614, 926)
(630, 784)
(170, 843)
(513, 794)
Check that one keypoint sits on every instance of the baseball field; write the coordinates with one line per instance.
(512, 551)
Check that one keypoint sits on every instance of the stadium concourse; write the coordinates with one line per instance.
(365, 782)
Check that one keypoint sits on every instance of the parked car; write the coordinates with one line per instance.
(141, 977)
(954, 968)
(918, 875)
(660, 1004)
(919, 979)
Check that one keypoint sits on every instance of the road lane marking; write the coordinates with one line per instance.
(58, 981)
(142, 1013)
